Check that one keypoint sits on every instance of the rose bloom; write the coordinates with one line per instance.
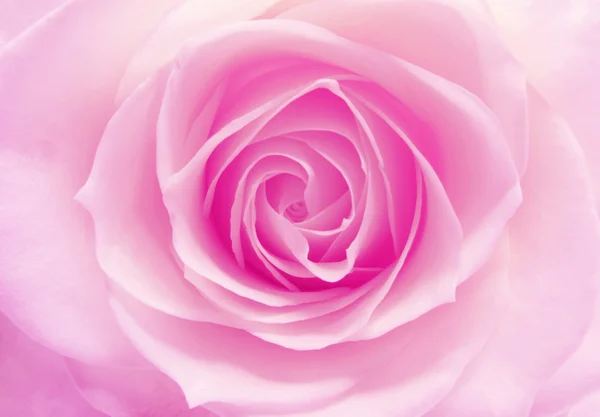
(326, 208)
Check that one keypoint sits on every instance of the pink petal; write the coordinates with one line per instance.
(577, 377)
(218, 364)
(378, 240)
(328, 127)
(280, 162)
(18, 15)
(193, 235)
(50, 283)
(123, 392)
(255, 311)
(558, 43)
(345, 320)
(411, 369)
(191, 116)
(322, 43)
(34, 380)
(123, 189)
(482, 215)
(190, 19)
(485, 67)
(554, 265)
(460, 138)
(198, 253)
(588, 407)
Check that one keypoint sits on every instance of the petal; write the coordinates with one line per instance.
(123, 392)
(588, 407)
(558, 43)
(448, 38)
(194, 236)
(409, 374)
(50, 284)
(34, 381)
(244, 41)
(252, 39)
(16, 16)
(467, 137)
(207, 360)
(554, 265)
(122, 189)
(189, 19)
(577, 377)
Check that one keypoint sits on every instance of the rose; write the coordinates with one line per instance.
(313, 208)
(517, 340)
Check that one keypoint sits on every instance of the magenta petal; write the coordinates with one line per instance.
(329, 128)
(193, 246)
(346, 322)
(429, 277)
(258, 173)
(286, 236)
(460, 138)
(215, 105)
(392, 161)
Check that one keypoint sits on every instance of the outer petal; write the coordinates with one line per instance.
(554, 265)
(409, 373)
(121, 392)
(589, 407)
(415, 87)
(450, 38)
(559, 44)
(189, 19)
(122, 189)
(18, 15)
(57, 85)
(577, 377)
(34, 381)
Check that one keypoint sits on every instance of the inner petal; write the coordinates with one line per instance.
(284, 190)
(296, 212)
(262, 255)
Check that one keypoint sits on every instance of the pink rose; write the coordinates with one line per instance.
(299, 208)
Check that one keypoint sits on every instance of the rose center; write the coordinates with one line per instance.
(296, 212)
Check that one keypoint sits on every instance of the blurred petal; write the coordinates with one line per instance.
(588, 407)
(577, 377)
(554, 266)
(34, 381)
(558, 42)
(53, 110)
(18, 15)
(122, 392)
